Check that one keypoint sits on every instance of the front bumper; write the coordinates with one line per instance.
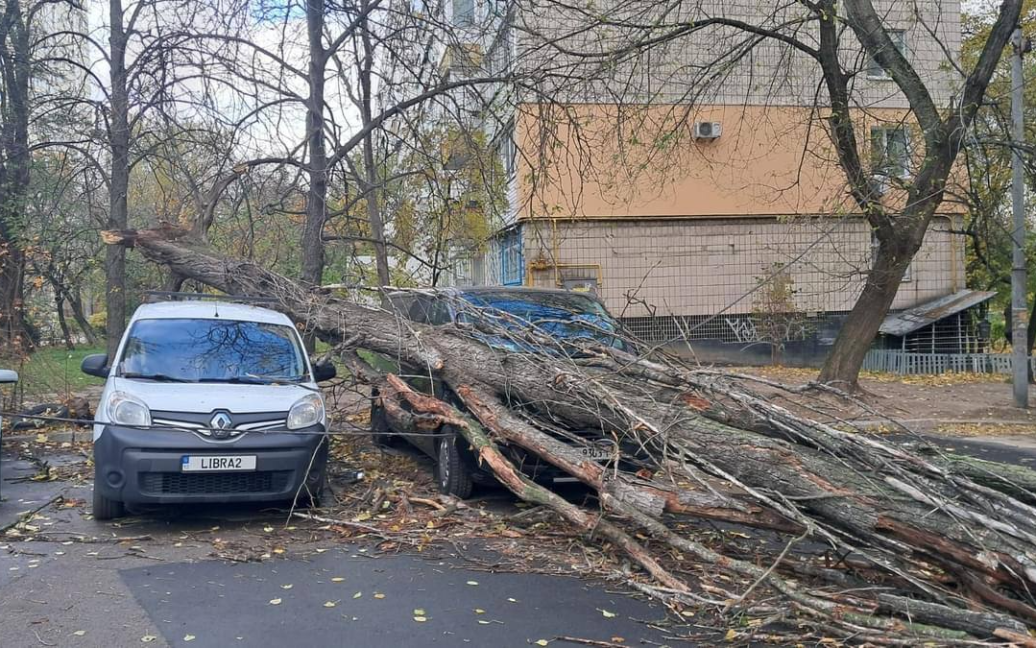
(144, 466)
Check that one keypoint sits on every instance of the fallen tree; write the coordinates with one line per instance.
(925, 552)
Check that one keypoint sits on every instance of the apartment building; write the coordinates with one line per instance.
(691, 184)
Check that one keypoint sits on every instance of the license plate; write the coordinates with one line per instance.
(596, 453)
(217, 463)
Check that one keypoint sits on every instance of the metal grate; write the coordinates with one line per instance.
(171, 483)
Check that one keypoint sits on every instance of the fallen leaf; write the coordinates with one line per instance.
(278, 550)
(731, 635)
(148, 638)
(276, 601)
(472, 582)
(420, 619)
(479, 611)
(418, 611)
(337, 579)
(79, 633)
(189, 637)
(379, 595)
(329, 604)
(288, 586)
(542, 642)
(618, 640)
(607, 614)
(357, 595)
(512, 600)
(321, 550)
(268, 529)
(482, 622)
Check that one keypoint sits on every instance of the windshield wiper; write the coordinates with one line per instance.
(157, 377)
(237, 380)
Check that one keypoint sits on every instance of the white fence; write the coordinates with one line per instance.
(899, 362)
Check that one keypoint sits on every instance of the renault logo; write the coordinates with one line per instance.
(220, 425)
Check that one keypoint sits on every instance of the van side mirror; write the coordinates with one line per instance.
(96, 365)
(324, 370)
(8, 376)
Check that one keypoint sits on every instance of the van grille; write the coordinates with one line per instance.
(173, 483)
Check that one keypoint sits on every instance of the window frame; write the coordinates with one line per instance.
(889, 168)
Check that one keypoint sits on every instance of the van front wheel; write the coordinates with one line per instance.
(105, 508)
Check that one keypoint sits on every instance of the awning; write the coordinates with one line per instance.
(918, 317)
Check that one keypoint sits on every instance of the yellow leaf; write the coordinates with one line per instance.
(276, 601)
(41, 438)
(148, 638)
(420, 619)
(607, 614)
(329, 604)
(379, 595)
(731, 635)
(479, 611)
(418, 611)
(482, 622)
(189, 637)
(79, 633)
(337, 579)
(472, 582)
(288, 586)
(542, 642)
(278, 550)
(357, 595)
(362, 517)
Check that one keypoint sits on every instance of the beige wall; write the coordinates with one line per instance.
(610, 162)
(703, 267)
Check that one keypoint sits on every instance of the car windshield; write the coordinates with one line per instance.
(212, 350)
(561, 315)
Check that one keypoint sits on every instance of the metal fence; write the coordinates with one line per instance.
(899, 362)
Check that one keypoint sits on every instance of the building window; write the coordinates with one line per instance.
(890, 151)
(463, 12)
(511, 263)
(874, 69)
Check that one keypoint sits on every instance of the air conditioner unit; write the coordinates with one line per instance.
(707, 130)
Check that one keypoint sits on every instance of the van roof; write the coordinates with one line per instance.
(209, 310)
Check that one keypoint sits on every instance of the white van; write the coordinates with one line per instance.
(208, 401)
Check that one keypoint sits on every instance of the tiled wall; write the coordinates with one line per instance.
(715, 65)
(703, 267)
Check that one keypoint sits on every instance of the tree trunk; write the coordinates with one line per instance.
(59, 306)
(316, 194)
(15, 332)
(842, 367)
(75, 301)
(372, 181)
(118, 207)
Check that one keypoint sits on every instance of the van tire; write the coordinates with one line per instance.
(105, 508)
(452, 474)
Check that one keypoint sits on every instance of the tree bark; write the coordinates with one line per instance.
(316, 194)
(15, 333)
(372, 182)
(118, 206)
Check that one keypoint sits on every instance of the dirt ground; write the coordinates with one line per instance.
(953, 404)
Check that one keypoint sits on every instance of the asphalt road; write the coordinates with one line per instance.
(82, 588)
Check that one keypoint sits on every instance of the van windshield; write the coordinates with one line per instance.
(211, 350)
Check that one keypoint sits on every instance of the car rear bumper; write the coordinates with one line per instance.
(145, 466)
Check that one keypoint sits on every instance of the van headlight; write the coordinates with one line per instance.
(124, 409)
(307, 411)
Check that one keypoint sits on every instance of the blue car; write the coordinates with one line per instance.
(512, 320)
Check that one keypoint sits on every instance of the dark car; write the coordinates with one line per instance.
(561, 322)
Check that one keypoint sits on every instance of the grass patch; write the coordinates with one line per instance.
(55, 370)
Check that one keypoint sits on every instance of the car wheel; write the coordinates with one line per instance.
(451, 471)
(105, 508)
(381, 432)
